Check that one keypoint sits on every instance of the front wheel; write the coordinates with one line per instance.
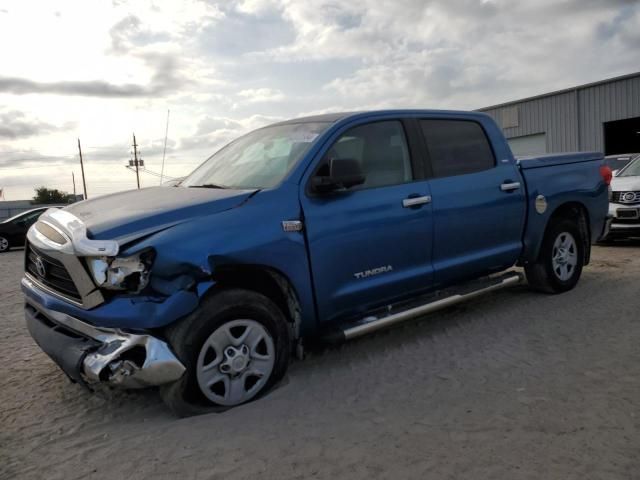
(235, 346)
(560, 260)
(4, 244)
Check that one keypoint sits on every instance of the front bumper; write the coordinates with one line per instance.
(624, 220)
(92, 355)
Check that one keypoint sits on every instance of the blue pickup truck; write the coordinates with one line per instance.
(314, 229)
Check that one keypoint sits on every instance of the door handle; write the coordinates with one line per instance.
(509, 186)
(416, 201)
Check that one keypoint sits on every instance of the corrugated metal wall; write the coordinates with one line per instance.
(572, 119)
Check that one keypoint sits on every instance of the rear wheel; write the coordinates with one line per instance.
(560, 260)
(4, 244)
(235, 346)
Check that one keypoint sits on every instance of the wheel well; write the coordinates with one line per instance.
(269, 282)
(578, 212)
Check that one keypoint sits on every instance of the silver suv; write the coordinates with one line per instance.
(618, 162)
(624, 207)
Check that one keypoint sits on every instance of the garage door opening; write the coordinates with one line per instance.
(622, 136)
(528, 145)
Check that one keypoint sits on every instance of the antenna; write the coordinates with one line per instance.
(164, 152)
(84, 183)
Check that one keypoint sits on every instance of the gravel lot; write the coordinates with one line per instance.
(517, 385)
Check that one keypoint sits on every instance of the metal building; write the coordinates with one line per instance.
(602, 116)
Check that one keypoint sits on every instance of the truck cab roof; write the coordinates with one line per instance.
(339, 116)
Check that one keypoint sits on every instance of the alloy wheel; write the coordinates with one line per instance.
(564, 257)
(235, 362)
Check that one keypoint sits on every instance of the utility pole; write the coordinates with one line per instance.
(84, 183)
(73, 179)
(135, 159)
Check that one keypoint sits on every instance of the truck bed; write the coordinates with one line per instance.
(574, 179)
(552, 159)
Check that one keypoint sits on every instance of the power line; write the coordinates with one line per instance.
(143, 169)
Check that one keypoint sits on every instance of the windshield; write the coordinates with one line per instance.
(631, 170)
(618, 162)
(260, 159)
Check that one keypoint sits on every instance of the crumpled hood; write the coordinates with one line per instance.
(625, 184)
(127, 215)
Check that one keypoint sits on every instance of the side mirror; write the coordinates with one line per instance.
(615, 173)
(343, 173)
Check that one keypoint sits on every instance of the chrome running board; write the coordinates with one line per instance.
(371, 323)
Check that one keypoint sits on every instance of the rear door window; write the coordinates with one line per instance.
(457, 147)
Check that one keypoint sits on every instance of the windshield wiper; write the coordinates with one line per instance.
(207, 185)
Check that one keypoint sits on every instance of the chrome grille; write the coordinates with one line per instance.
(50, 272)
(627, 213)
(626, 197)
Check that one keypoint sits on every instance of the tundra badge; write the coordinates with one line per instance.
(373, 271)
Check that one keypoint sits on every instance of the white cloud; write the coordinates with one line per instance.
(258, 95)
(102, 70)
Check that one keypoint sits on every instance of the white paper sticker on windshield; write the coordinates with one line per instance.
(301, 136)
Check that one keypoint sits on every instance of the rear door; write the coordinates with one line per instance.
(371, 244)
(478, 202)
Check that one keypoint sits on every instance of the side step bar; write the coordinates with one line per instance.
(371, 324)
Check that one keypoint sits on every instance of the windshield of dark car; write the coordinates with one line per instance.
(631, 170)
(260, 159)
(23, 216)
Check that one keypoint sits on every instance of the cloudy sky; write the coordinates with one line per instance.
(100, 70)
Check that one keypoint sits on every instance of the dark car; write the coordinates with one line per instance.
(618, 162)
(13, 230)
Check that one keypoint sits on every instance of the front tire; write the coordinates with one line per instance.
(235, 346)
(561, 258)
(4, 244)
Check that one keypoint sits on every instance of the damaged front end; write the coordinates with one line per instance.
(130, 274)
(94, 306)
(91, 355)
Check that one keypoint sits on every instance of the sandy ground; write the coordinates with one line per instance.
(517, 385)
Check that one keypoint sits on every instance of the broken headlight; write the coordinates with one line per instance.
(129, 273)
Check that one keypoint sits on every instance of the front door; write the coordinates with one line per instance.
(371, 244)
